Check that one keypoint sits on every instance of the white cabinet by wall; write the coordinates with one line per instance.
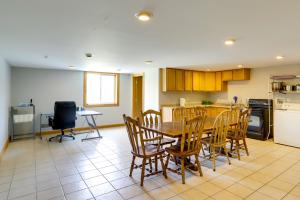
(286, 127)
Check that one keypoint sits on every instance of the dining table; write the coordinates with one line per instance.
(175, 129)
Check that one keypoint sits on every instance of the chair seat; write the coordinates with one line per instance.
(164, 141)
(231, 135)
(175, 150)
(150, 150)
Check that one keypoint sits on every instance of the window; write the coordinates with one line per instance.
(101, 89)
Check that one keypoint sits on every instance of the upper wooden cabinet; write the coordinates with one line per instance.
(210, 81)
(241, 74)
(168, 79)
(227, 75)
(188, 80)
(196, 81)
(179, 80)
(220, 84)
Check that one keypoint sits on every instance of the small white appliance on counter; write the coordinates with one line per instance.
(287, 124)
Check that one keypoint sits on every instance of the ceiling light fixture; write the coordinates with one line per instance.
(229, 42)
(72, 67)
(148, 62)
(208, 70)
(240, 66)
(279, 57)
(144, 15)
(88, 55)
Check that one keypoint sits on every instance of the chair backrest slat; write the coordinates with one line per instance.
(220, 128)
(242, 123)
(191, 137)
(135, 134)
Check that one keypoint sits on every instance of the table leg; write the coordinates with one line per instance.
(92, 125)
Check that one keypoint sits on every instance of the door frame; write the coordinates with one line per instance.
(133, 94)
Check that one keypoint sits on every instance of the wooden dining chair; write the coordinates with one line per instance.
(238, 133)
(142, 149)
(218, 136)
(153, 118)
(190, 144)
(178, 114)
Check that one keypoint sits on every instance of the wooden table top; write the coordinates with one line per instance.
(174, 129)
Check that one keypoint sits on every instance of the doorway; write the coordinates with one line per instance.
(137, 95)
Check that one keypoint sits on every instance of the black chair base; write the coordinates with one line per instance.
(61, 136)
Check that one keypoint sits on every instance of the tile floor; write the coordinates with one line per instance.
(36, 169)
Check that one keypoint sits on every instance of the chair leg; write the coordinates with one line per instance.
(203, 151)
(245, 145)
(226, 152)
(156, 163)
(167, 161)
(199, 165)
(150, 163)
(182, 171)
(143, 171)
(163, 166)
(214, 158)
(237, 146)
(132, 165)
(231, 145)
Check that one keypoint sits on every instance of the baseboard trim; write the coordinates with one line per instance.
(4, 148)
(81, 129)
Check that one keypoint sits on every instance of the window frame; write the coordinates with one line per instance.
(117, 89)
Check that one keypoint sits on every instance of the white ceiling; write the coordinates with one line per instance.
(182, 33)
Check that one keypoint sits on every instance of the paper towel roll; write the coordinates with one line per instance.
(182, 102)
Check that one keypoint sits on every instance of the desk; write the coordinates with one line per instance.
(92, 124)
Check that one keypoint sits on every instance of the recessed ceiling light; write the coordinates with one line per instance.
(89, 55)
(229, 42)
(279, 57)
(208, 70)
(148, 62)
(240, 66)
(144, 16)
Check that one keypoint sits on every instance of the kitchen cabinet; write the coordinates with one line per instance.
(198, 81)
(227, 75)
(220, 84)
(210, 81)
(188, 80)
(179, 80)
(241, 74)
(168, 79)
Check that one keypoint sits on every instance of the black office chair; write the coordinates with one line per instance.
(64, 118)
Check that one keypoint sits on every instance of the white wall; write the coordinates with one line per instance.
(257, 86)
(151, 89)
(46, 86)
(4, 102)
